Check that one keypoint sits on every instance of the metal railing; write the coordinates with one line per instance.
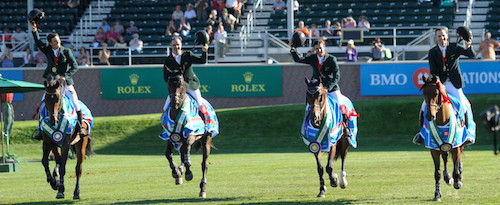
(468, 20)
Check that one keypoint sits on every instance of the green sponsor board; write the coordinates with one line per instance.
(242, 81)
(133, 83)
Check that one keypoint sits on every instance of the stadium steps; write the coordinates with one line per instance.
(91, 19)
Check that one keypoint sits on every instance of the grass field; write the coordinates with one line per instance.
(259, 160)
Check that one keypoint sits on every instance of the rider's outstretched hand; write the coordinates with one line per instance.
(204, 48)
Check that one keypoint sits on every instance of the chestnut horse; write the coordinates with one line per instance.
(317, 100)
(177, 90)
(54, 104)
(439, 109)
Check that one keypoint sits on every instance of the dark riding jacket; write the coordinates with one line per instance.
(66, 65)
(187, 59)
(450, 68)
(329, 71)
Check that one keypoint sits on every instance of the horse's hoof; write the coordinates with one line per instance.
(203, 194)
(457, 185)
(321, 195)
(189, 176)
(76, 197)
(178, 181)
(334, 181)
(76, 194)
(60, 195)
(437, 199)
(343, 180)
(53, 182)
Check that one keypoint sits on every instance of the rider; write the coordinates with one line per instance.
(60, 61)
(182, 61)
(443, 62)
(324, 67)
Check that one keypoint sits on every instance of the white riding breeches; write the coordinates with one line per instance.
(196, 94)
(70, 92)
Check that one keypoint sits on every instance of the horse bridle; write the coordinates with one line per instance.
(315, 104)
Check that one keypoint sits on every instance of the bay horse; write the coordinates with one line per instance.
(54, 104)
(438, 109)
(178, 95)
(317, 99)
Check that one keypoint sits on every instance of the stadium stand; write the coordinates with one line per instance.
(493, 19)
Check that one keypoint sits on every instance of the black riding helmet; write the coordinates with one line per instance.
(36, 15)
(202, 37)
(464, 32)
(298, 39)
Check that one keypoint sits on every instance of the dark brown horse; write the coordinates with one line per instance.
(80, 144)
(177, 90)
(316, 98)
(438, 110)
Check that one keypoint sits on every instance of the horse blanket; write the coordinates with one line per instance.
(331, 126)
(188, 122)
(67, 120)
(453, 134)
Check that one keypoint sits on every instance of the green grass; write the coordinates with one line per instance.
(260, 159)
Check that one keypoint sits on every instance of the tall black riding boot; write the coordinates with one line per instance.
(79, 122)
(38, 136)
(346, 124)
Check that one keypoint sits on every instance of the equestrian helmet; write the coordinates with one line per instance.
(464, 32)
(36, 15)
(202, 37)
(298, 39)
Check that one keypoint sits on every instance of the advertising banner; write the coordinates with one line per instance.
(133, 83)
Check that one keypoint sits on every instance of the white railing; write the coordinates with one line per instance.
(247, 29)
(469, 13)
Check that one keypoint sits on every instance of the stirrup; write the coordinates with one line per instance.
(418, 139)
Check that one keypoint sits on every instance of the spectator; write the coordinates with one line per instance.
(337, 31)
(177, 15)
(327, 32)
(314, 31)
(212, 18)
(99, 38)
(83, 57)
(104, 55)
(40, 59)
(19, 37)
(364, 24)
(190, 14)
(487, 47)
(171, 29)
(121, 42)
(118, 27)
(29, 61)
(136, 43)
(209, 30)
(220, 38)
(279, 5)
(104, 25)
(132, 29)
(351, 53)
(72, 49)
(349, 23)
(302, 28)
(228, 20)
(296, 5)
(232, 6)
(377, 50)
(217, 5)
(112, 36)
(6, 37)
(201, 10)
(7, 58)
(184, 27)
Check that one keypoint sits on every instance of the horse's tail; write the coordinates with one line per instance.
(88, 150)
(338, 151)
(197, 145)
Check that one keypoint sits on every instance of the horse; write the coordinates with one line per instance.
(317, 100)
(80, 144)
(178, 96)
(439, 110)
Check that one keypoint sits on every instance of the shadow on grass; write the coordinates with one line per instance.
(320, 201)
(186, 200)
(47, 202)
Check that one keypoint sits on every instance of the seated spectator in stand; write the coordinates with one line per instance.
(40, 59)
(29, 61)
(136, 43)
(232, 6)
(364, 24)
(327, 32)
(210, 31)
(83, 57)
(104, 55)
(171, 28)
(377, 50)
(72, 49)
(301, 27)
(279, 5)
(112, 36)
(7, 58)
(220, 38)
(351, 53)
(177, 15)
(184, 27)
(190, 14)
(7, 36)
(337, 31)
(132, 29)
(118, 27)
(104, 25)
(487, 47)
(349, 23)
(19, 37)
(99, 38)
(212, 18)
(121, 42)
(217, 5)
(201, 10)
(228, 20)
(314, 31)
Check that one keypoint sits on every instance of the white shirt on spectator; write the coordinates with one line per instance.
(231, 3)
(190, 14)
(220, 37)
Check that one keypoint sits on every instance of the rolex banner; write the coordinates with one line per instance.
(242, 81)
